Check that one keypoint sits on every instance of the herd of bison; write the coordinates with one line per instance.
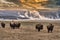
(38, 27)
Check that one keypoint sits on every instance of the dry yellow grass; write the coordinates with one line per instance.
(27, 31)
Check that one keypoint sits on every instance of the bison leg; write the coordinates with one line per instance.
(51, 30)
(3, 26)
(48, 30)
(18, 27)
(38, 30)
(13, 27)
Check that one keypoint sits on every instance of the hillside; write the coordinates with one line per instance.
(20, 4)
(29, 4)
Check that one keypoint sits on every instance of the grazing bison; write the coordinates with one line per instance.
(50, 28)
(12, 25)
(39, 27)
(17, 25)
(3, 24)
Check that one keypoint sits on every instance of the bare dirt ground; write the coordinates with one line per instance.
(27, 31)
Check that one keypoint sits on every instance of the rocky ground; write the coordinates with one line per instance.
(27, 31)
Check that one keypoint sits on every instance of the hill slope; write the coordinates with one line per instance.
(32, 4)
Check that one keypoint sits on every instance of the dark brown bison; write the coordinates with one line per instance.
(3, 24)
(50, 28)
(17, 25)
(39, 27)
(12, 25)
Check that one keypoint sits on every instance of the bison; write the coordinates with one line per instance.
(3, 24)
(50, 28)
(12, 25)
(39, 27)
(17, 25)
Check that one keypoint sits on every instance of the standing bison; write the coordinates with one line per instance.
(50, 28)
(39, 27)
(3, 24)
(12, 25)
(17, 25)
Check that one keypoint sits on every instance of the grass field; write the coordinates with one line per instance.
(27, 31)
